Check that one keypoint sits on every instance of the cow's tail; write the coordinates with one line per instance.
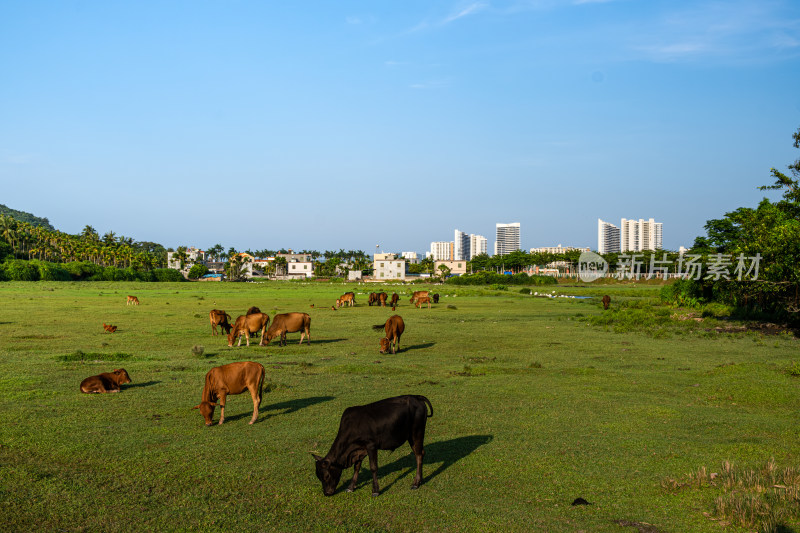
(228, 317)
(377, 327)
(427, 401)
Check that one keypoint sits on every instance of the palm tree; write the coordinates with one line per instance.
(90, 233)
(181, 256)
(281, 265)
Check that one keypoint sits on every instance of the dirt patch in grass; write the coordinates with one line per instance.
(80, 355)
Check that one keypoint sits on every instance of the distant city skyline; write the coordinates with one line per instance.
(343, 125)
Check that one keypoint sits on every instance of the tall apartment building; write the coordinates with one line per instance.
(477, 245)
(607, 237)
(639, 235)
(442, 251)
(506, 238)
(461, 246)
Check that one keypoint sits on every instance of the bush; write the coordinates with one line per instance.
(82, 270)
(51, 271)
(493, 278)
(20, 270)
(167, 274)
(197, 271)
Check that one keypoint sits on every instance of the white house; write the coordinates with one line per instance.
(389, 266)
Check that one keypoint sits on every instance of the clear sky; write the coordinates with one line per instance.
(321, 125)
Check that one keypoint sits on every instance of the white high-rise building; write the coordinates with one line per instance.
(477, 245)
(461, 251)
(506, 238)
(607, 237)
(639, 235)
(441, 251)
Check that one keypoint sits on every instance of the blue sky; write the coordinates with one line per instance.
(347, 124)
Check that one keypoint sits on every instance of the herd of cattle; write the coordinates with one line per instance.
(363, 430)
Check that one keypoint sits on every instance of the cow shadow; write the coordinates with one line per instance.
(444, 453)
(287, 407)
(143, 384)
(422, 346)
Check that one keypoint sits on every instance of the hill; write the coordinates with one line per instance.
(22, 216)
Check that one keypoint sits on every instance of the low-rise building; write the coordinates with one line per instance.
(389, 266)
(456, 267)
(300, 269)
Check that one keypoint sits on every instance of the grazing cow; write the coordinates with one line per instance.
(394, 327)
(365, 429)
(233, 378)
(219, 318)
(347, 298)
(247, 324)
(288, 323)
(394, 299)
(424, 300)
(606, 301)
(382, 299)
(373, 298)
(418, 294)
(106, 382)
(132, 300)
(109, 328)
(436, 298)
(253, 310)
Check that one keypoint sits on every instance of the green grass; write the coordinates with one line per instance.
(536, 402)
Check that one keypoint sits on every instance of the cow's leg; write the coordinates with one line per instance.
(372, 453)
(283, 338)
(308, 335)
(356, 469)
(221, 402)
(256, 402)
(213, 329)
(416, 441)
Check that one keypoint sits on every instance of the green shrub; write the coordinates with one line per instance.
(167, 274)
(197, 271)
(489, 278)
(52, 271)
(20, 270)
(82, 270)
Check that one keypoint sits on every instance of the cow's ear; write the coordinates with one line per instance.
(316, 457)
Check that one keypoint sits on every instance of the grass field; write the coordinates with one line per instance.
(537, 402)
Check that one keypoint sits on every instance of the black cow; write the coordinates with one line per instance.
(436, 298)
(365, 429)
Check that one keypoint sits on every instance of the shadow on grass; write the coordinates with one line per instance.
(288, 407)
(418, 346)
(444, 453)
(143, 384)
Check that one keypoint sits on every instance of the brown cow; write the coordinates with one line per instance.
(424, 300)
(606, 301)
(106, 382)
(418, 294)
(393, 301)
(347, 298)
(109, 328)
(247, 324)
(373, 298)
(382, 299)
(394, 327)
(132, 300)
(233, 378)
(219, 318)
(288, 323)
